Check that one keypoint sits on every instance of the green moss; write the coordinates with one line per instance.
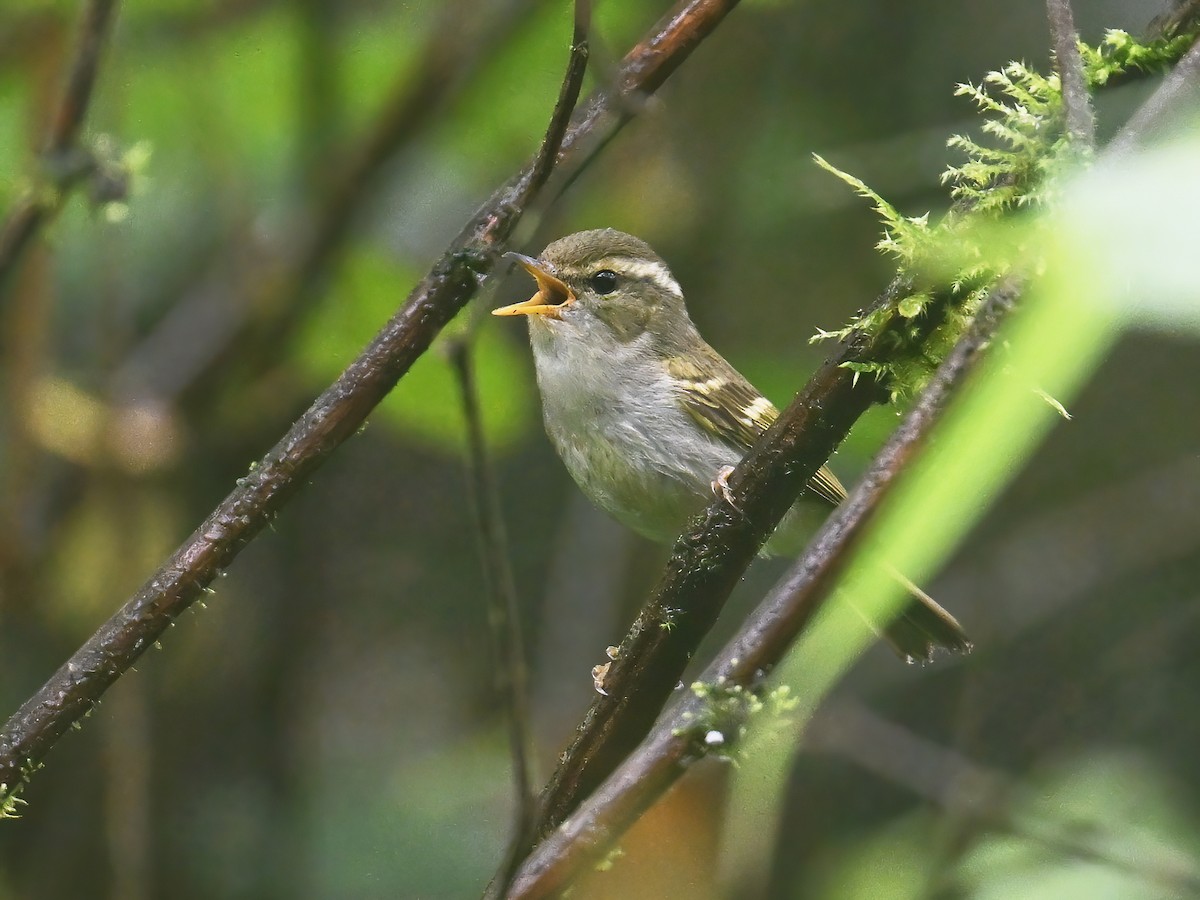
(1119, 53)
(726, 711)
(1016, 163)
(10, 802)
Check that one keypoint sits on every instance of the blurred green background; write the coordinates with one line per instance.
(327, 726)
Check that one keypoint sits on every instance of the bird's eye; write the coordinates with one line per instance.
(604, 282)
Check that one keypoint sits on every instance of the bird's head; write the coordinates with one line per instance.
(601, 283)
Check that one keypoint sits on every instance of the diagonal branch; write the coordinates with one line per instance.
(35, 210)
(544, 164)
(77, 95)
(1077, 102)
(336, 415)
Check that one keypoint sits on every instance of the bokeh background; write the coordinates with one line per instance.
(327, 726)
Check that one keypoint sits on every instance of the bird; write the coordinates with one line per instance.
(648, 418)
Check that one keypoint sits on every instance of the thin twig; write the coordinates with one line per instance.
(332, 419)
(761, 642)
(568, 94)
(77, 95)
(1077, 102)
(38, 207)
(503, 613)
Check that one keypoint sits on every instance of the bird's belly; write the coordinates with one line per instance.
(657, 497)
(648, 488)
(637, 454)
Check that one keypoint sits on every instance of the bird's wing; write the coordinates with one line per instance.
(725, 404)
(826, 486)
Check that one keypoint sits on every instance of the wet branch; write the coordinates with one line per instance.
(1077, 102)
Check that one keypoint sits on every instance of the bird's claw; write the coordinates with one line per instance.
(720, 486)
(599, 673)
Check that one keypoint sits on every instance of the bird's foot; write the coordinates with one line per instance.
(720, 486)
(599, 673)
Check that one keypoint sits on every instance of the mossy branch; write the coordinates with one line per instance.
(1026, 149)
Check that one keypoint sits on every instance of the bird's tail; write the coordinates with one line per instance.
(922, 626)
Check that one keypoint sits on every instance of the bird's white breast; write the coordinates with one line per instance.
(612, 413)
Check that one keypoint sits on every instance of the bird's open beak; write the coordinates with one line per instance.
(552, 295)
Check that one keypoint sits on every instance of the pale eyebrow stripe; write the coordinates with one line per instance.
(651, 270)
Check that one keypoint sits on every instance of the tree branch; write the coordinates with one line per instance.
(1077, 102)
(708, 561)
(569, 94)
(77, 94)
(62, 165)
(503, 613)
(335, 416)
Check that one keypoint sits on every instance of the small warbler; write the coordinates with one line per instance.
(648, 418)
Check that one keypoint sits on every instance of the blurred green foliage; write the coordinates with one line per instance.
(426, 406)
(328, 726)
